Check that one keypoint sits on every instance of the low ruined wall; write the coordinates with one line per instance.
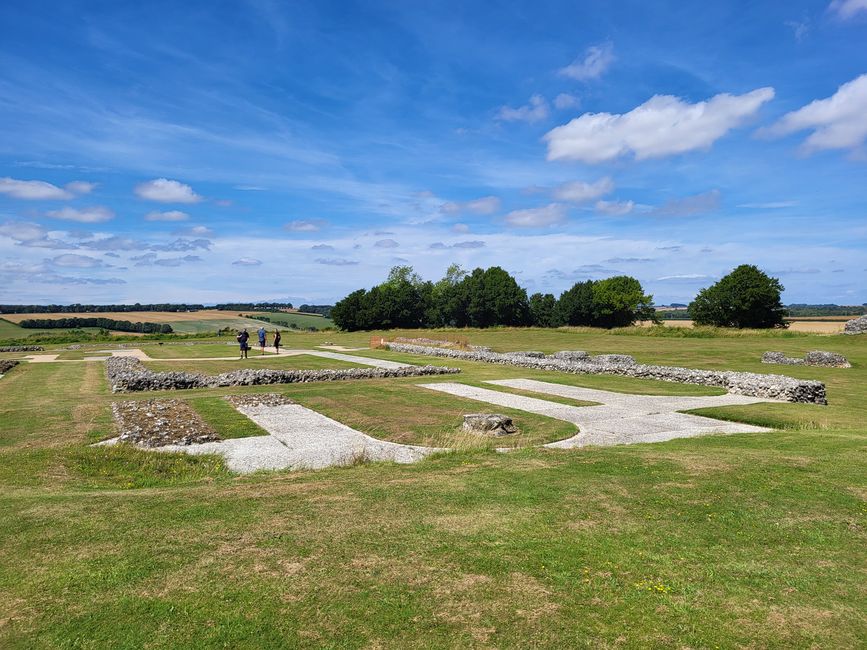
(126, 374)
(856, 326)
(741, 383)
(7, 364)
(813, 358)
(21, 348)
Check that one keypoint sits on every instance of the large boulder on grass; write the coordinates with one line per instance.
(488, 424)
(856, 326)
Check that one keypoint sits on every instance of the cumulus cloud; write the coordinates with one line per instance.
(837, 122)
(461, 244)
(630, 260)
(322, 247)
(179, 245)
(113, 243)
(847, 9)
(80, 187)
(664, 125)
(164, 190)
(335, 261)
(565, 100)
(71, 260)
(23, 233)
(596, 60)
(194, 231)
(461, 228)
(386, 243)
(689, 206)
(691, 277)
(152, 259)
(247, 261)
(581, 192)
(484, 205)
(95, 214)
(32, 190)
(170, 215)
(536, 110)
(177, 261)
(303, 225)
(548, 215)
(614, 208)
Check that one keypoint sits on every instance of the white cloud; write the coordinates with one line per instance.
(565, 100)
(664, 125)
(32, 190)
(460, 228)
(548, 215)
(194, 231)
(301, 225)
(170, 215)
(837, 122)
(846, 9)
(22, 231)
(166, 191)
(615, 208)
(335, 261)
(683, 276)
(581, 192)
(689, 206)
(386, 243)
(95, 214)
(484, 205)
(769, 205)
(71, 260)
(800, 29)
(247, 261)
(597, 59)
(536, 110)
(80, 187)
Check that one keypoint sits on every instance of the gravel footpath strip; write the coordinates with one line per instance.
(741, 383)
(301, 439)
(620, 419)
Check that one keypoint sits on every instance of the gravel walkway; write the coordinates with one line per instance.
(301, 439)
(620, 419)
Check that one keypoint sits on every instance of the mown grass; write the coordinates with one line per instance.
(225, 418)
(751, 540)
(295, 362)
(200, 350)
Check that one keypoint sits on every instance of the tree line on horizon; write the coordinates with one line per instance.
(488, 298)
(745, 298)
(104, 323)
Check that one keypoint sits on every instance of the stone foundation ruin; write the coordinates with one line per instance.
(740, 383)
(126, 374)
(813, 358)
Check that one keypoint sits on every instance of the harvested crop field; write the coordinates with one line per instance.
(814, 325)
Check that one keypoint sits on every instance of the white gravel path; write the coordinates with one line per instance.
(300, 439)
(141, 355)
(619, 419)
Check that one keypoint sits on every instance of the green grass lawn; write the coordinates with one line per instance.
(750, 540)
(228, 348)
(295, 362)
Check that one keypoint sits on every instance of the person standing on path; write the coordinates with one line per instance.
(243, 337)
(262, 333)
(277, 341)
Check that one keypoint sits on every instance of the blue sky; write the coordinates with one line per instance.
(210, 151)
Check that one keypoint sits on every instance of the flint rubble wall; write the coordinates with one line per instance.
(740, 383)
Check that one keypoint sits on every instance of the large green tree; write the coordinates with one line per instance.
(746, 297)
(495, 298)
(543, 310)
(620, 301)
(575, 306)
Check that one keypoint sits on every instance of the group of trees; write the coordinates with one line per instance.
(104, 323)
(746, 297)
(76, 308)
(322, 310)
(486, 298)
